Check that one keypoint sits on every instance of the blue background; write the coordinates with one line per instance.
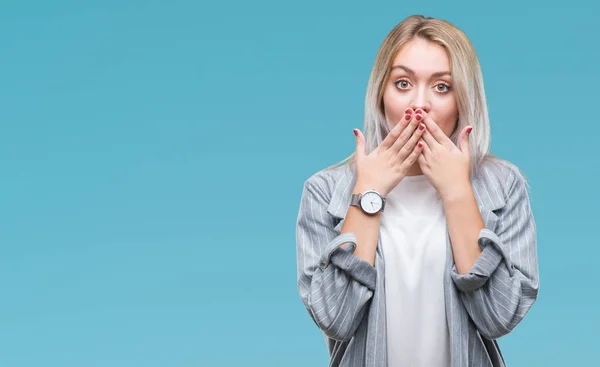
(152, 157)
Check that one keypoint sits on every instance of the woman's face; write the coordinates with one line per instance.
(420, 78)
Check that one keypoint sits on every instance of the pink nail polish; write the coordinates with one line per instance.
(419, 117)
(469, 129)
(407, 117)
(421, 127)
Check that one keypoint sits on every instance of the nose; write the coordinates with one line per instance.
(421, 101)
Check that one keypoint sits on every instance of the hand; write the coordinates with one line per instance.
(387, 165)
(445, 165)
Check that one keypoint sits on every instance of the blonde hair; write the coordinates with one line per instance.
(467, 84)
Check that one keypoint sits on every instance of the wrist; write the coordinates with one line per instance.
(360, 188)
(457, 193)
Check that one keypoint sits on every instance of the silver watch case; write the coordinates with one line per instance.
(356, 200)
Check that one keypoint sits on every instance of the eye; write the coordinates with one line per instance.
(442, 88)
(402, 84)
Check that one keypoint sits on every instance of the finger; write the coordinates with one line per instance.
(360, 144)
(430, 140)
(395, 132)
(463, 140)
(412, 158)
(404, 150)
(405, 136)
(426, 149)
(436, 132)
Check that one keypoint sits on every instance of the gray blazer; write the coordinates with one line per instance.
(345, 295)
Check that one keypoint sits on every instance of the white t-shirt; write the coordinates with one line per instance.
(413, 241)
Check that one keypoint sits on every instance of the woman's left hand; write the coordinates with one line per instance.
(445, 165)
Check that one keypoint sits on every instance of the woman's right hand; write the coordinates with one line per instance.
(388, 164)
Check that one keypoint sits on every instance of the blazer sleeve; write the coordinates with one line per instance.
(503, 283)
(335, 285)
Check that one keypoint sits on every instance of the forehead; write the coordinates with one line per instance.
(422, 56)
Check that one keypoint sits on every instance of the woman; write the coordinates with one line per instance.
(420, 248)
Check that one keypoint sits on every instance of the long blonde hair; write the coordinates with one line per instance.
(467, 84)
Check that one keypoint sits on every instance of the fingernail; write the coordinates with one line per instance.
(355, 132)
(419, 117)
(408, 111)
(421, 127)
(469, 129)
(420, 145)
(407, 117)
(419, 110)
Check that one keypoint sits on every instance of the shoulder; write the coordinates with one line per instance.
(501, 173)
(325, 181)
(498, 180)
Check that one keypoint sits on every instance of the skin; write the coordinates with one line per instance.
(420, 85)
(413, 85)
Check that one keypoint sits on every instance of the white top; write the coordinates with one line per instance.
(413, 240)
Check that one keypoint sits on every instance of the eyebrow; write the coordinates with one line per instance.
(410, 71)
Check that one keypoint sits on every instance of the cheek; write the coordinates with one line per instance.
(448, 115)
(394, 107)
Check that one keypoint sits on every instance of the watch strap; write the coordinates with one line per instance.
(355, 200)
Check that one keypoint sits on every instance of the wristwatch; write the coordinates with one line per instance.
(371, 202)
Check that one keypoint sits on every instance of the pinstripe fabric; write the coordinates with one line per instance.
(345, 295)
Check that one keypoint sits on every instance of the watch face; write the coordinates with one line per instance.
(371, 202)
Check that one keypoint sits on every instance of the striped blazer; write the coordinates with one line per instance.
(345, 296)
